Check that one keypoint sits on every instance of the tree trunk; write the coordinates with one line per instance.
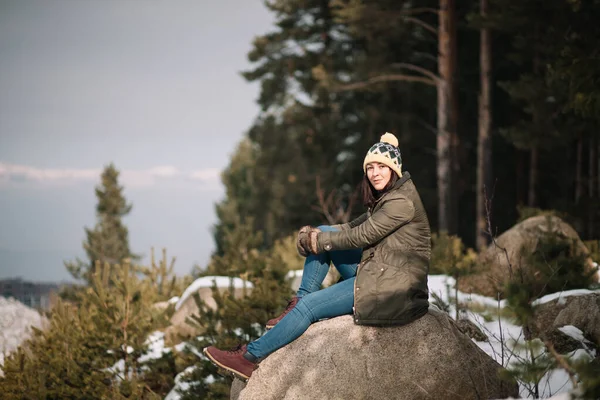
(534, 151)
(578, 168)
(446, 118)
(520, 177)
(455, 153)
(533, 164)
(592, 178)
(592, 167)
(484, 154)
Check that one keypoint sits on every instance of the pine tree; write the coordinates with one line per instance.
(93, 345)
(108, 241)
(238, 320)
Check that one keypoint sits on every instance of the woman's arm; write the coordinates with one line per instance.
(351, 224)
(393, 213)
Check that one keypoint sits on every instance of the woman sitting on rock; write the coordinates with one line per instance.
(382, 256)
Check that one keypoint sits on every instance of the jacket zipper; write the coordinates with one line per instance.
(355, 279)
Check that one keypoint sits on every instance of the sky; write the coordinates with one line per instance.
(154, 87)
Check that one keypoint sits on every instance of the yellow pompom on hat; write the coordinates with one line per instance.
(386, 152)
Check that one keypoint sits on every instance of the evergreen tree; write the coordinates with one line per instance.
(108, 241)
(238, 320)
(92, 346)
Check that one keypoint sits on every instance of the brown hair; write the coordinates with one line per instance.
(368, 192)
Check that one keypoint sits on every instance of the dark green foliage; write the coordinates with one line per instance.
(76, 355)
(312, 125)
(449, 257)
(237, 320)
(560, 266)
(589, 377)
(108, 241)
(72, 359)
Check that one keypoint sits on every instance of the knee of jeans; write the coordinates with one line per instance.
(326, 228)
(303, 307)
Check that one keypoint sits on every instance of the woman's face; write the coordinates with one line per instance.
(378, 174)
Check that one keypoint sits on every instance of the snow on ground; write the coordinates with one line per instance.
(208, 282)
(561, 295)
(16, 320)
(156, 347)
(505, 339)
(179, 384)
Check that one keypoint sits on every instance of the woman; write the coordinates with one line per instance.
(382, 256)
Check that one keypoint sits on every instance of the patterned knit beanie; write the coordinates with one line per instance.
(385, 152)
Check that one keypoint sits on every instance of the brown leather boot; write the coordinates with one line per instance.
(232, 361)
(290, 306)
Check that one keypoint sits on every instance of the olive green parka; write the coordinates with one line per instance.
(395, 238)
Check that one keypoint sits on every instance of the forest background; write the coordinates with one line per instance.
(495, 104)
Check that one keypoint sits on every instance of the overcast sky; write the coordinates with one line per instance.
(151, 85)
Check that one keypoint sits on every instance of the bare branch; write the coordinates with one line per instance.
(561, 361)
(323, 203)
(422, 24)
(420, 10)
(488, 217)
(416, 68)
(331, 206)
(384, 78)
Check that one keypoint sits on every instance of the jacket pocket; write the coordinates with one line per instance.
(393, 291)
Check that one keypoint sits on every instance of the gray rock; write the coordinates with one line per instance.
(469, 328)
(581, 311)
(494, 265)
(336, 359)
(584, 313)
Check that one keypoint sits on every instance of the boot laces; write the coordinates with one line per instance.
(237, 349)
(290, 305)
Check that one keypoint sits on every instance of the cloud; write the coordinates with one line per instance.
(206, 174)
(24, 173)
(14, 173)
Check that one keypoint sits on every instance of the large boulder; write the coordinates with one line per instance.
(186, 305)
(494, 261)
(336, 359)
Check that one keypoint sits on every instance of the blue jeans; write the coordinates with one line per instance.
(314, 304)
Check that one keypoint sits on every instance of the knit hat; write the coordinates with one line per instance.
(385, 152)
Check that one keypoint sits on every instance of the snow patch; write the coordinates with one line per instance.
(156, 347)
(208, 282)
(296, 273)
(562, 295)
(16, 322)
(180, 386)
(505, 342)
(572, 331)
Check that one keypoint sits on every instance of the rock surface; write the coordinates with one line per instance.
(582, 312)
(186, 306)
(336, 359)
(495, 260)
